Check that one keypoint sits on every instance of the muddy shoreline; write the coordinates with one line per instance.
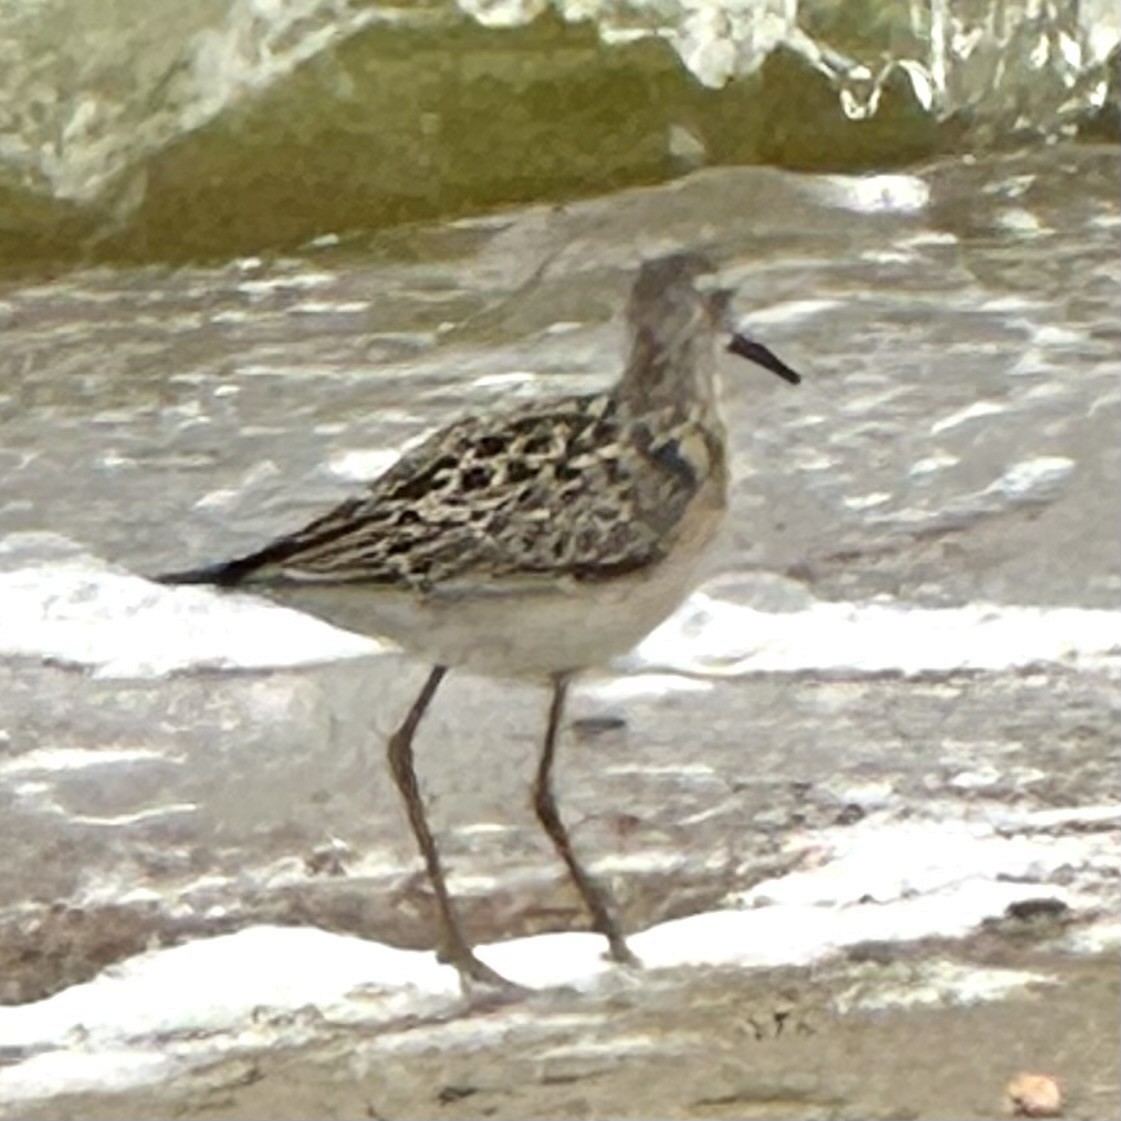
(828, 1043)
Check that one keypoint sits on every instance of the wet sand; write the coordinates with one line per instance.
(704, 1044)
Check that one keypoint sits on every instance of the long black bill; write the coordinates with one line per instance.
(756, 352)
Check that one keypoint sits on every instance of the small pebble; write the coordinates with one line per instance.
(1034, 1095)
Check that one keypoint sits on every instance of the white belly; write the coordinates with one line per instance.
(525, 628)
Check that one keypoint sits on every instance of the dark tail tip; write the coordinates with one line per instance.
(222, 575)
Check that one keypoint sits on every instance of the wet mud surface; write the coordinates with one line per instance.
(781, 1044)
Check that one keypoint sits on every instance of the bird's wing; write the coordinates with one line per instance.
(566, 489)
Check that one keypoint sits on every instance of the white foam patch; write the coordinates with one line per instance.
(880, 863)
(937, 462)
(361, 466)
(1036, 478)
(59, 604)
(204, 986)
(789, 312)
(971, 412)
(712, 637)
(70, 760)
(73, 1071)
(623, 689)
(167, 1010)
(297, 282)
(330, 307)
(876, 194)
(799, 934)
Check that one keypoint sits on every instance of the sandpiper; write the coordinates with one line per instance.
(534, 544)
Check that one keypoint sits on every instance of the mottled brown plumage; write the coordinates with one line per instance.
(574, 488)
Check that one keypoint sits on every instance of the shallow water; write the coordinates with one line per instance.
(953, 445)
(150, 131)
(958, 330)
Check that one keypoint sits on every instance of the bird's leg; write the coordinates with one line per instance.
(453, 946)
(595, 897)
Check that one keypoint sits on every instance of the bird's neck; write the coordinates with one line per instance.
(677, 382)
